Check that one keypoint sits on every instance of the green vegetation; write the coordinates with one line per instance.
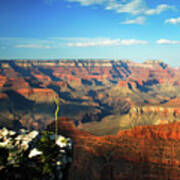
(43, 155)
(56, 100)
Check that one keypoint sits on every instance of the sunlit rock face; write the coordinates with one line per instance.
(44, 153)
(146, 152)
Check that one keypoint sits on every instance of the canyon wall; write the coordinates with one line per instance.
(89, 91)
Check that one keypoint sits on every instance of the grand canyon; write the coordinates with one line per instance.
(122, 116)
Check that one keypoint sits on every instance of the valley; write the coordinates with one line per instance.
(123, 117)
(99, 96)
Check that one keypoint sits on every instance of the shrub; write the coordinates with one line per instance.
(37, 153)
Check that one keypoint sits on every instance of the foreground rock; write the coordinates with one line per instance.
(146, 152)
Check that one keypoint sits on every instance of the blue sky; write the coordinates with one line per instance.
(124, 29)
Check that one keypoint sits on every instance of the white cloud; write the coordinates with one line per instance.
(88, 2)
(129, 42)
(107, 42)
(34, 46)
(166, 41)
(173, 20)
(70, 38)
(33, 43)
(159, 9)
(59, 42)
(134, 7)
(138, 20)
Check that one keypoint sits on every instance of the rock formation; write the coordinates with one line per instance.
(91, 93)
